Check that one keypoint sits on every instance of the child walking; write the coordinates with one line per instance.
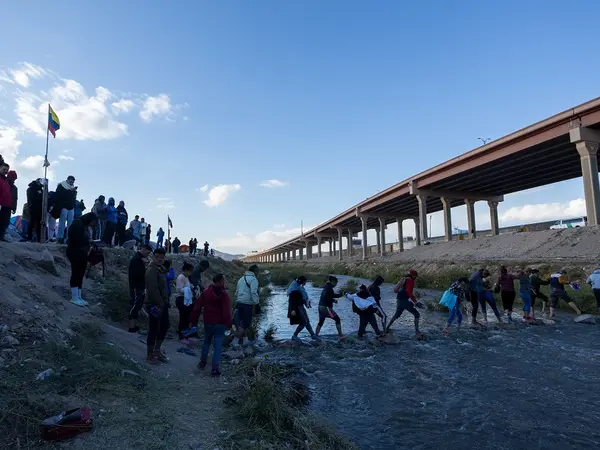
(459, 288)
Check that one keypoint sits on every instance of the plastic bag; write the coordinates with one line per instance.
(448, 300)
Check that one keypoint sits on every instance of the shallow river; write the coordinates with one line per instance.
(503, 387)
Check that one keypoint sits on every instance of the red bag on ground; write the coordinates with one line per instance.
(67, 424)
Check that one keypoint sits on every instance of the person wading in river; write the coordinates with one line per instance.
(405, 300)
(366, 307)
(298, 285)
(328, 298)
(536, 291)
(525, 293)
(558, 292)
(475, 292)
(487, 297)
(460, 288)
(375, 291)
(506, 287)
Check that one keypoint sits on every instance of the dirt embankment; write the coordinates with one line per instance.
(91, 360)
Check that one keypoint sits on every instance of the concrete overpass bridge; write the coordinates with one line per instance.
(560, 148)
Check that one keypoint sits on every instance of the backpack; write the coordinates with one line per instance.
(401, 285)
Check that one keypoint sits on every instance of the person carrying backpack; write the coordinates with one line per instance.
(405, 300)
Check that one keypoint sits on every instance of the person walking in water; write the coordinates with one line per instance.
(375, 291)
(506, 286)
(247, 298)
(78, 249)
(365, 306)
(405, 300)
(215, 303)
(525, 293)
(184, 301)
(157, 296)
(475, 292)
(160, 235)
(558, 281)
(328, 298)
(137, 285)
(594, 281)
(536, 291)
(460, 289)
(487, 298)
(298, 285)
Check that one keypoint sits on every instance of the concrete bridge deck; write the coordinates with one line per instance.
(560, 148)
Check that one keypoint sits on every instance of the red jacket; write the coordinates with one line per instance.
(409, 286)
(217, 307)
(5, 194)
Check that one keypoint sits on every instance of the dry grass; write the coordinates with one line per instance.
(270, 405)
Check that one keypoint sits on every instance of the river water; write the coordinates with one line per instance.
(503, 387)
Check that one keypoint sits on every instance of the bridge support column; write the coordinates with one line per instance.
(301, 253)
(289, 255)
(471, 218)
(363, 221)
(422, 200)
(294, 255)
(417, 231)
(334, 247)
(382, 236)
(587, 142)
(378, 235)
(447, 218)
(319, 249)
(400, 235)
(494, 217)
(340, 239)
(350, 249)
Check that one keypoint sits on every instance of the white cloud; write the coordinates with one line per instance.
(260, 241)
(279, 226)
(203, 188)
(165, 203)
(156, 107)
(123, 106)
(274, 184)
(22, 75)
(218, 194)
(9, 144)
(34, 167)
(82, 117)
(66, 158)
(544, 211)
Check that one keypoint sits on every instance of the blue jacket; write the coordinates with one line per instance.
(594, 279)
(160, 235)
(295, 286)
(111, 211)
(170, 276)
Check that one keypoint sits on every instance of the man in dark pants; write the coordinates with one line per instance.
(77, 252)
(157, 297)
(137, 285)
(475, 291)
(405, 300)
(326, 301)
(35, 194)
(5, 200)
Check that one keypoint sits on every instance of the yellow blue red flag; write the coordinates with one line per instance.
(53, 121)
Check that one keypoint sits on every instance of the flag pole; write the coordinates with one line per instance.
(44, 227)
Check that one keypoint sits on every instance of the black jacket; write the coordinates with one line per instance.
(374, 289)
(65, 198)
(327, 295)
(14, 192)
(137, 272)
(79, 238)
(35, 197)
(295, 303)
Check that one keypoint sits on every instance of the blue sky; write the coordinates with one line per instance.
(337, 100)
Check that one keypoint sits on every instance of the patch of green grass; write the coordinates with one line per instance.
(115, 299)
(270, 409)
(350, 287)
(270, 333)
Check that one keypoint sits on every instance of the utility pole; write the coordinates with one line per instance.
(430, 217)
(485, 141)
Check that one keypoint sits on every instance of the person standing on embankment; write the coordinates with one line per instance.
(78, 249)
(157, 298)
(246, 298)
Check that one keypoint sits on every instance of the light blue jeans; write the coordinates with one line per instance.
(64, 222)
(218, 333)
(526, 297)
